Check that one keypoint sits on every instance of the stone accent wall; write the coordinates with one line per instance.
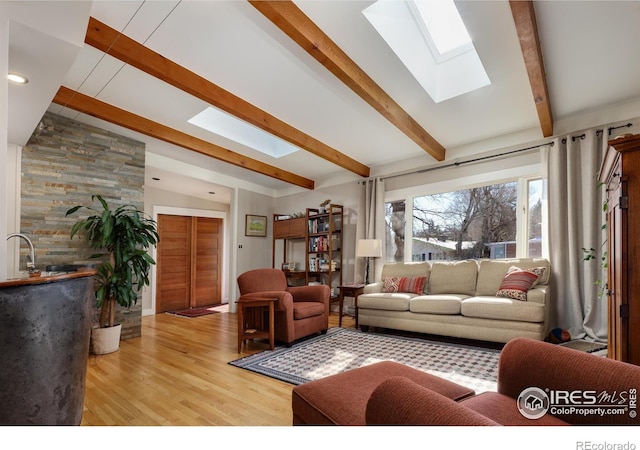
(64, 163)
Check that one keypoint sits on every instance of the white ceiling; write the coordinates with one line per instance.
(589, 48)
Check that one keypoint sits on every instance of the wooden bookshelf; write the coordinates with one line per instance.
(320, 231)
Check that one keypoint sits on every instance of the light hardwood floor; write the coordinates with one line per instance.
(178, 374)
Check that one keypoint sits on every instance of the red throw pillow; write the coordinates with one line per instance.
(391, 284)
(517, 282)
(413, 285)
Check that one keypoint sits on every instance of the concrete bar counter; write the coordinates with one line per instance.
(45, 326)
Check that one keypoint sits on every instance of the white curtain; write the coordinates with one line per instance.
(370, 225)
(575, 222)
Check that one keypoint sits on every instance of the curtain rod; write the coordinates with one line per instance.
(621, 126)
(459, 163)
(598, 132)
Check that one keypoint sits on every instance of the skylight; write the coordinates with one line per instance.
(444, 26)
(431, 40)
(230, 127)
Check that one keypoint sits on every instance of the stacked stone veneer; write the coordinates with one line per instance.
(63, 164)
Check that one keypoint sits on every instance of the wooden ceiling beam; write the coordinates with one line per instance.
(96, 108)
(120, 46)
(524, 16)
(295, 24)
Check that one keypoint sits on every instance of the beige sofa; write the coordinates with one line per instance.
(459, 300)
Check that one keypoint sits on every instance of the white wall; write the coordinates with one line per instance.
(346, 195)
(247, 252)
(253, 252)
(445, 179)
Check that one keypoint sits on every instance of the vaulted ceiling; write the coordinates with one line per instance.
(313, 73)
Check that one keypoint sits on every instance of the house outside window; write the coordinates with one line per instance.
(476, 223)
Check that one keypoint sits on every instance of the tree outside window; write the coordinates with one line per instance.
(467, 224)
(395, 221)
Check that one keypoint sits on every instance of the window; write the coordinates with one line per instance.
(534, 224)
(218, 122)
(481, 222)
(395, 219)
(442, 27)
(431, 40)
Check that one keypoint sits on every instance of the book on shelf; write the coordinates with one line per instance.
(318, 244)
(326, 266)
(318, 226)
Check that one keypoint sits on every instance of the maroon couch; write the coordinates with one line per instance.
(342, 399)
(528, 369)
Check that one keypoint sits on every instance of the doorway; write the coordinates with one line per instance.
(189, 256)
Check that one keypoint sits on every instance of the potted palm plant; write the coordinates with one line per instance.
(123, 235)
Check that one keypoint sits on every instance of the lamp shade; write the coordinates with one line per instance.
(369, 248)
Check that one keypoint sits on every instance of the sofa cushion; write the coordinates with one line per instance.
(413, 285)
(437, 304)
(454, 278)
(409, 269)
(538, 294)
(517, 282)
(302, 310)
(398, 301)
(492, 271)
(502, 308)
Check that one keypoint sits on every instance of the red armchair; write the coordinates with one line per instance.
(300, 310)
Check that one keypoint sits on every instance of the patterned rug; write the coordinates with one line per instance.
(343, 349)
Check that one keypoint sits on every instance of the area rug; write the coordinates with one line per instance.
(342, 349)
(194, 312)
(585, 346)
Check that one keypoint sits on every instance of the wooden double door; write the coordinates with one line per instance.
(189, 256)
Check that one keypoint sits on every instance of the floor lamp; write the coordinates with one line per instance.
(368, 248)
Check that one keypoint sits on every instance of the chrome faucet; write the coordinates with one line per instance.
(31, 257)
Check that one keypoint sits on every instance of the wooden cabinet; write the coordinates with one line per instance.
(320, 234)
(290, 231)
(289, 228)
(620, 174)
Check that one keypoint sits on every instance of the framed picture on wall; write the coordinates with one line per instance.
(255, 225)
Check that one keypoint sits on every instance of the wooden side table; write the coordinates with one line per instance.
(350, 290)
(251, 320)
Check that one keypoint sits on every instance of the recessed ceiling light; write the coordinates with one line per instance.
(19, 79)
